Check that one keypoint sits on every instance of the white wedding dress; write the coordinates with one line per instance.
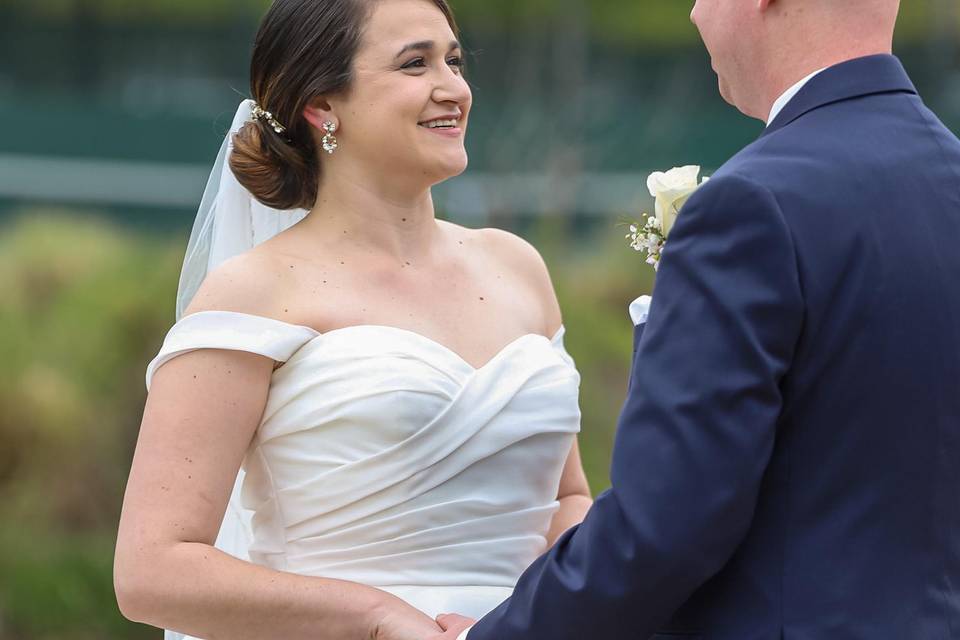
(384, 458)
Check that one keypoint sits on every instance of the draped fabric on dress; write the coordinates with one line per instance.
(384, 458)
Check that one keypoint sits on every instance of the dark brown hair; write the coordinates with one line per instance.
(303, 50)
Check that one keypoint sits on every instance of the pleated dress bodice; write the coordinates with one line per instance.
(385, 458)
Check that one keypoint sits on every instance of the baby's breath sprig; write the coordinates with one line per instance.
(670, 190)
(647, 236)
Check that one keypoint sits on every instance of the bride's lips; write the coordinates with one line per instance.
(454, 131)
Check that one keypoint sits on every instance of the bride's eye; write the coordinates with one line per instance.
(457, 62)
(414, 64)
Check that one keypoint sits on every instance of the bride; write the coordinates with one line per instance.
(392, 389)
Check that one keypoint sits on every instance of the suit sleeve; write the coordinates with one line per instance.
(694, 438)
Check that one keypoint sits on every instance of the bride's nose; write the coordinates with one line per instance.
(452, 87)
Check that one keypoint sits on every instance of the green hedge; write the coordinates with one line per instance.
(82, 306)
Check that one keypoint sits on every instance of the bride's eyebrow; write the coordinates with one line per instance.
(425, 45)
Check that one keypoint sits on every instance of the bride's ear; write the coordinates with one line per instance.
(319, 112)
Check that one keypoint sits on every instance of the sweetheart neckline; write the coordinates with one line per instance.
(449, 351)
(439, 345)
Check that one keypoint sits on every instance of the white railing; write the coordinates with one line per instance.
(473, 196)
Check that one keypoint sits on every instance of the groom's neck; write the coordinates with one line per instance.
(783, 76)
(795, 44)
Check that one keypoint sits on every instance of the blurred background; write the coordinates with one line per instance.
(111, 113)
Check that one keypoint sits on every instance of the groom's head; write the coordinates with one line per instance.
(759, 48)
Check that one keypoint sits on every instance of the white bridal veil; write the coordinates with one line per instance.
(229, 222)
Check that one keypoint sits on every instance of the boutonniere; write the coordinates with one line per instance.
(670, 191)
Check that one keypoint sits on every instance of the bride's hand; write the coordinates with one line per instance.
(453, 625)
(397, 620)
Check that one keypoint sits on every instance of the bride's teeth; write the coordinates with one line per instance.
(434, 124)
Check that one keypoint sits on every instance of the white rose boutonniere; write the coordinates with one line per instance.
(670, 191)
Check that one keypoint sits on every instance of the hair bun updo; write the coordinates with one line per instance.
(280, 174)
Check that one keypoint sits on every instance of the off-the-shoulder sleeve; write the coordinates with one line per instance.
(557, 342)
(233, 331)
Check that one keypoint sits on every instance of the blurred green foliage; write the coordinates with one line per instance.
(84, 306)
(648, 23)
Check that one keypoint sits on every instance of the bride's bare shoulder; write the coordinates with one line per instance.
(251, 282)
(502, 246)
(519, 258)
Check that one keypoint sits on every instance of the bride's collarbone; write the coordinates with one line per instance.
(475, 334)
(334, 300)
(471, 311)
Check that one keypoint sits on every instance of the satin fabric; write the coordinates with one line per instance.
(384, 458)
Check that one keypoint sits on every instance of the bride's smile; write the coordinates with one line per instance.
(404, 118)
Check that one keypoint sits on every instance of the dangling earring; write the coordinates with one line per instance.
(329, 140)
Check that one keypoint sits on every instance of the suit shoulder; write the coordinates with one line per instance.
(733, 186)
(750, 162)
(731, 200)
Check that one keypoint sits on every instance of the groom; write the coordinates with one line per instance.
(787, 463)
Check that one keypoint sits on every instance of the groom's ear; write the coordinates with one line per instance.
(319, 112)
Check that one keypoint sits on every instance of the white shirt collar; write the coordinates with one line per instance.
(788, 95)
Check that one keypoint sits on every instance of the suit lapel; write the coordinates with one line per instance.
(847, 80)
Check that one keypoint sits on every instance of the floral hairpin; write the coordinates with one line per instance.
(260, 114)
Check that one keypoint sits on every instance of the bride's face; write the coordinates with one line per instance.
(408, 79)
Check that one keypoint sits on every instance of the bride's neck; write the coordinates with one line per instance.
(382, 218)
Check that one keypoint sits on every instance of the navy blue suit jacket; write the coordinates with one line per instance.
(787, 463)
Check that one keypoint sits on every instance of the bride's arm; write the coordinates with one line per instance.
(574, 496)
(201, 413)
(199, 418)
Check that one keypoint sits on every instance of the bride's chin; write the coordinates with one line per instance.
(460, 168)
(446, 170)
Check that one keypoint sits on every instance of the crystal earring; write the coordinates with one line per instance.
(329, 140)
